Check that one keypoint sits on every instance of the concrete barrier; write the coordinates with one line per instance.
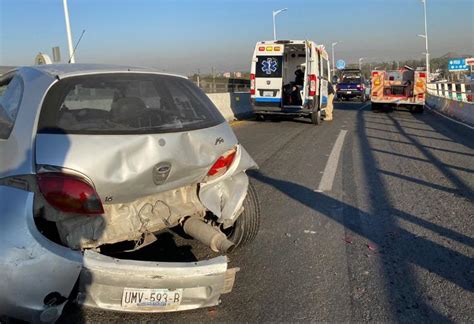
(463, 111)
(232, 105)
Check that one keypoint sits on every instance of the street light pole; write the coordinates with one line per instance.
(68, 32)
(426, 44)
(332, 53)
(275, 13)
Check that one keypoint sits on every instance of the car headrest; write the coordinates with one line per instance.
(128, 107)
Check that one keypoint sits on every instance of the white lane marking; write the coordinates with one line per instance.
(451, 119)
(366, 105)
(331, 165)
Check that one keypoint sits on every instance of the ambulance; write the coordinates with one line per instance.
(403, 87)
(290, 77)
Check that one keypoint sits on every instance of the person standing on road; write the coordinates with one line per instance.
(329, 107)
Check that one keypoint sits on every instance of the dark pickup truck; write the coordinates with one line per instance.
(351, 86)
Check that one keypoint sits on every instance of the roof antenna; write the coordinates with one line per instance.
(77, 44)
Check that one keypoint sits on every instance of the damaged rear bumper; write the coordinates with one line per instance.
(103, 279)
(38, 275)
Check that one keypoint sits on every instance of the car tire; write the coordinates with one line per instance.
(259, 117)
(316, 117)
(246, 226)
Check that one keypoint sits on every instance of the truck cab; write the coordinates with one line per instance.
(289, 77)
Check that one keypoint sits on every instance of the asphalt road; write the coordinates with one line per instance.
(392, 239)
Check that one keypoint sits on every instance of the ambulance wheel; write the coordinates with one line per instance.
(375, 107)
(316, 117)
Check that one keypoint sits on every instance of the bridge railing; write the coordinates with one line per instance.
(458, 91)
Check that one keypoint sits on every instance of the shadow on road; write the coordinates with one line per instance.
(460, 186)
(398, 249)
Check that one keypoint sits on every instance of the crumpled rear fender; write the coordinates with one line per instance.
(225, 195)
(31, 266)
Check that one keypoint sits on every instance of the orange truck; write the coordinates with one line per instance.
(404, 87)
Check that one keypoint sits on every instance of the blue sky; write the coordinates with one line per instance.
(183, 36)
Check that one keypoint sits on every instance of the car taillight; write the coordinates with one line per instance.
(422, 75)
(420, 96)
(312, 85)
(252, 84)
(222, 164)
(69, 194)
(375, 94)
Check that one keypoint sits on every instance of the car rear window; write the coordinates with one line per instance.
(126, 103)
(269, 67)
(351, 80)
(11, 92)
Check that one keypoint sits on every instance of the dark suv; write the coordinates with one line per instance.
(352, 85)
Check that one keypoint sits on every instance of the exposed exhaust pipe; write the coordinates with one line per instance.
(208, 235)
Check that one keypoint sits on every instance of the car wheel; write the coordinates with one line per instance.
(316, 117)
(259, 117)
(247, 224)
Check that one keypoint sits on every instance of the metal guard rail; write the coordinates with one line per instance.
(452, 90)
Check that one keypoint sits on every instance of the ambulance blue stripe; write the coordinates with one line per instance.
(267, 99)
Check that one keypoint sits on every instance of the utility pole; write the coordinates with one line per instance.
(72, 59)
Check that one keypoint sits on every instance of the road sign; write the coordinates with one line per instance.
(340, 64)
(459, 64)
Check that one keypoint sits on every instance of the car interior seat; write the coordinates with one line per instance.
(127, 110)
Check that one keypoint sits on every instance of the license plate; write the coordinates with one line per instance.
(151, 298)
(349, 92)
(268, 93)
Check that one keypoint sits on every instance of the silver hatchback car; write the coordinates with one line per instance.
(94, 156)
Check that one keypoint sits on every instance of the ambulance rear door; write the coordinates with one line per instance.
(268, 74)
